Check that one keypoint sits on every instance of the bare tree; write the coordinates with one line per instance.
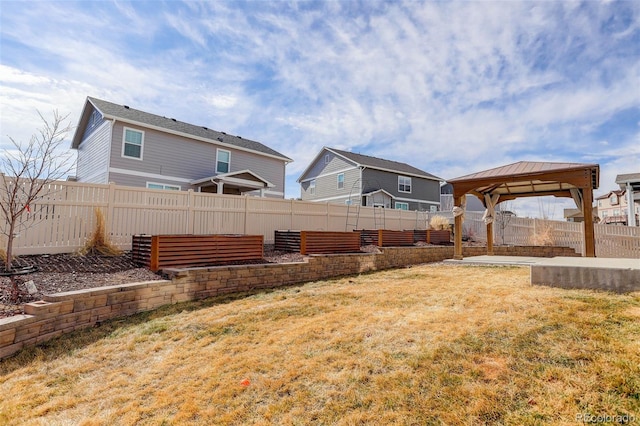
(503, 217)
(27, 170)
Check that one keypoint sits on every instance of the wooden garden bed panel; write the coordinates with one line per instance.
(319, 242)
(432, 236)
(197, 250)
(387, 238)
(288, 241)
(438, 236)
(368, 237)
(141, 249)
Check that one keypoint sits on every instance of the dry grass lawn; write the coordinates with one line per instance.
(433, 344)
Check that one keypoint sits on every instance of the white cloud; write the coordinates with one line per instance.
(448, 87)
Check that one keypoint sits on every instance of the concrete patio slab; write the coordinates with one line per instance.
(609, 274)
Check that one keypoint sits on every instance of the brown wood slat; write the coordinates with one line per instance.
(387, 238)
(198, 250)
(141, 249)
(438, 236)
(318, 242)
(288, 241)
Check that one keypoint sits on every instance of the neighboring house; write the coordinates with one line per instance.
(630, 183)
(126, 146)
(446, 200)
(612, 208)
(345, 177)
(576, 215)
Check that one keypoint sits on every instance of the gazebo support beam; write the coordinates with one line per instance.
(589, 235)
(490, 238)
(457, 231)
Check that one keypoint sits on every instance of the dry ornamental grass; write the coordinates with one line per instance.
(433, 344)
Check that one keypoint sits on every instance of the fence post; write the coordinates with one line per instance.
(190, 227)
(246, 214)
(291, 214)
(327, 218)
(110, 207)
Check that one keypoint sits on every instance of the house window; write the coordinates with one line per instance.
(132, 143)
(341, 181)
(433, 209)
(613, 200)
(404, 184)
(326, 159)
(402, 206)
(222, 161)
(152, 185)
(312, 187)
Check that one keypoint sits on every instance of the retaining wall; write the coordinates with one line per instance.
(62, 313)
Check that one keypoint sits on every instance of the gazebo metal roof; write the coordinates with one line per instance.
(528, 179)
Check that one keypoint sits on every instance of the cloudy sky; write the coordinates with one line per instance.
(449, 87)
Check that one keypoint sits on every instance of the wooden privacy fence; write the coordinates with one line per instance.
(186, 251)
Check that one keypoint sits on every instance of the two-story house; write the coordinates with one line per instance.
(119, 144)
(345, 177)
(612, 208)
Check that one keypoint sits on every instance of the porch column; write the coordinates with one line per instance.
(457, 230)
(631, 214)
(589, 235)
(220, 187)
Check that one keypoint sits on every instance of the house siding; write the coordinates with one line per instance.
(92, 165)
(168, 157)
(326, 176)
(424, 192)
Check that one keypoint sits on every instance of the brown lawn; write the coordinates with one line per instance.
(433, 344)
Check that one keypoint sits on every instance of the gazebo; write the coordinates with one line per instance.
(527, 179)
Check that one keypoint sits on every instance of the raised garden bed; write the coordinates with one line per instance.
(317, 242)
(157, 252)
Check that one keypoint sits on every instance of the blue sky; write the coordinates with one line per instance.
(449, 87)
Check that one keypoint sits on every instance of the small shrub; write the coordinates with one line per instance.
(99, 243)
(439, 223)
(544, 236)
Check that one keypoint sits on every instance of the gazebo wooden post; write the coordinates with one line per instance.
(457, 231)
(490, 238)
(589, 236)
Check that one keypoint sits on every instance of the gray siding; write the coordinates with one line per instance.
(93, 156)
(326, 176)
(327, 186)
(423, 191)
(166, 157)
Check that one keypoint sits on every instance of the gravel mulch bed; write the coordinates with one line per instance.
(68, 272)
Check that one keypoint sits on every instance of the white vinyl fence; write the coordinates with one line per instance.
(64, 217)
